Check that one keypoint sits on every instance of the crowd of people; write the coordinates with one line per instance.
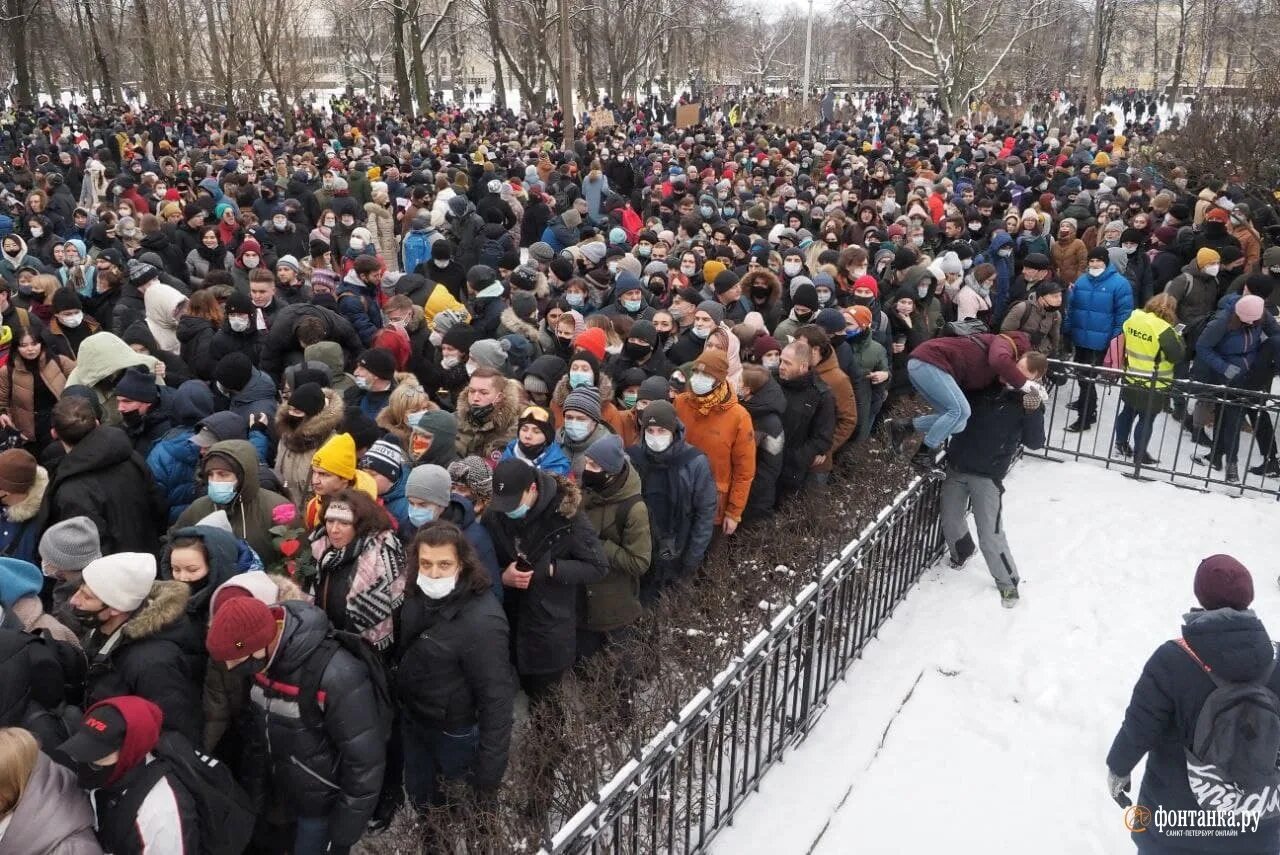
(323, 446)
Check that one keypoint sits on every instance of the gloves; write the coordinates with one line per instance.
(1031, 387)
(1231, 373)
(1118, 786)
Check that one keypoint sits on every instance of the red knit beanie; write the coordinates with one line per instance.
(240, 627)
(1222, 582)
(593, 341)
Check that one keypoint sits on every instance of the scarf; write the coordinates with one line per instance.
(717, 397)
(377, 587)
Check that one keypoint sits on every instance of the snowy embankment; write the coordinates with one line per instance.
(967, 728)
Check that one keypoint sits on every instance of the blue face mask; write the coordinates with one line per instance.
(706, 211)
(728, 213)
(701, 333)
(421, 516)
(631, 305)
(577, 431)
(519, 512)
(222, 492)
(579, 378)
(574, 299)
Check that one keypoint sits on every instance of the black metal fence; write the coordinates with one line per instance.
(1238, 425)
(691, 778)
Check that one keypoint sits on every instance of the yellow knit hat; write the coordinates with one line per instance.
(337, 456)
(712, 269)
(1206, 256)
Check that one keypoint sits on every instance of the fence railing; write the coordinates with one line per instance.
(1240, 426)
(690, 779)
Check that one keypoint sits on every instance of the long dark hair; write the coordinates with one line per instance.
(471, 573)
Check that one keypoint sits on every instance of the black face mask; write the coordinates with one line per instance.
(761, 293)
(594, 480)
(249, 667)
(663, 338)
(863, 301)
(533, 451)
(91, 776)
(480, 415)
(802, 316)
(564, 345)
(133, 419)
(636, 351)
(88, 619)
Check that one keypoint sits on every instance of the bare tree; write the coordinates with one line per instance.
(16, 18)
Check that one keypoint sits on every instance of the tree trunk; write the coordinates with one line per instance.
(107, 91)
(150, 72)
(404, 95)
(416, 69)
(16, 12)
(495, 42)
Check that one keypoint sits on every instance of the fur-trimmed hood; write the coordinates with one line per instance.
(568, 493)
(762, 275)
(30, 506)
(312, 431)
(520, 327)
(505, 412)
(166, 604)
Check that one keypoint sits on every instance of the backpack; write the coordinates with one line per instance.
(225, 812)
(1232, 761)
(313, 671)
(971, 326)
(417, 250)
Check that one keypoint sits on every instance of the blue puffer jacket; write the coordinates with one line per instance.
(1228, 351)
(553, 460)
(172, 460)
(1004, 270)
(1161, 721)
(1097, 308)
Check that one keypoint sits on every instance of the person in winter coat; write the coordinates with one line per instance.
(1100, 302)
(229, 472)
(321, 766)
(1227, 354)
(808, 420)
(822, 359)
(103, 478)
(581, 425)
(1069, 252)
(488, 415)
(112, 753)
(43, 809)
(419, 241)
(141, 640)
(291, 333)
(244, 389)
(429, 492)
(721, 427)
(1222, 640)
(1196, 289)
(207, 256)
(764, 401)
(21, 587)
(1000, 256)
(24, 484)
(536, 443)
(615, 507)
(173, 458)
(681, 495)
(979, 456)
(30, 384)
(357, 298)
(1153, 346)
(1040, 317)
(380, 222)
(455, 688)
(464, 226)
(311, 416)
(944, 369)
(548, 551)
(238, 333)
(360, 579)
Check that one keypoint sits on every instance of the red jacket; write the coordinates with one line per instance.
(976, 361)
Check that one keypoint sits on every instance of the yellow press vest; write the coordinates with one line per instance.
(1142, 354)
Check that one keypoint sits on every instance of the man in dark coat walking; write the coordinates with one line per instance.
(809, 422)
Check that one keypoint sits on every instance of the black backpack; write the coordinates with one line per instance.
(313, 671)
(225, 812)
(1235, 753)
(967, 327)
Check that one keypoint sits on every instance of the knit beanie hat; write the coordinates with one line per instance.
(1100, 254)
(19, 579)
(662, 414)
(337, 456)
(1249, 309)
(71, 544)
(724, 281)
(712, 269)
(429, 483)
(542, 252)
(714, 364)
(653, 389)
(594, 341)
(539, 418)
(378, 362)
(459, 337)
(1223, 582)
(764, 344)
(233, 371)
(1037, 261)
(17, 470)
(1206, 256)
(861, 316)
(122, 580)
(240, 628)
(66, 300)
(585, 400)
(472, 473)
(309, 398)
(830, 320)
(807, 296)
(608, 454)
(290, 262)
(139, 384)
(386, 458)
(714, 309)
(525, 305)
(489, 353)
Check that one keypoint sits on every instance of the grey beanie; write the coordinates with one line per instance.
(489, 352)
(608, 454)
(429, 483)
(585, 400)
(71, 544)
(714, 309)
(542, 252)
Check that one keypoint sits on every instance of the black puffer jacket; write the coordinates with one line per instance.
(557, 539)
(280, 346)
(104, 479)
(160, 656)
(455, 671)
(810, 425)
(330, 768)
(767, 407)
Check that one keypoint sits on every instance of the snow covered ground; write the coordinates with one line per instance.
(970, 729)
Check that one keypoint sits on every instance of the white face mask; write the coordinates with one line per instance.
(448, 361)
(658, 443)
(771, 362)
(1097, 271)
(437, 589)
(701, 384)
(436, 339)
(71, 321)
(36, 231)
(251, 261)
(791, 268)
(471, 368)
(238, 323)
(1212, 269)
(280, 222)
(441, 263)
(687, 269)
